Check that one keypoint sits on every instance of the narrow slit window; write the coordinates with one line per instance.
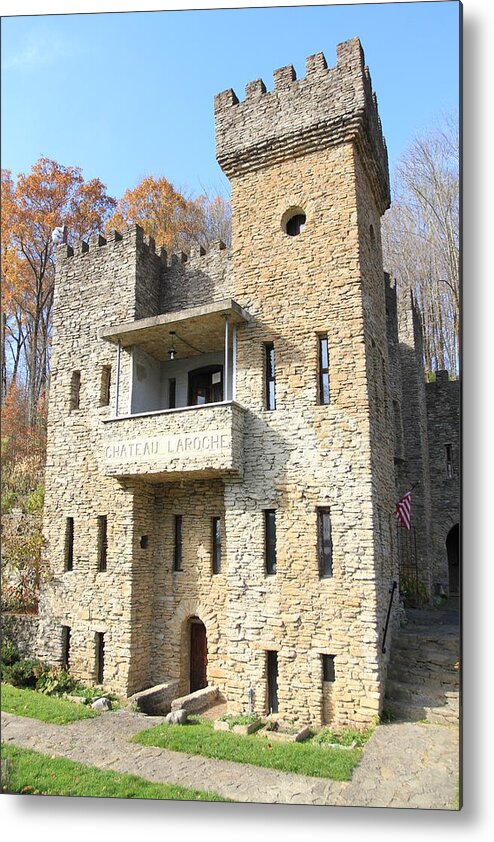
(172, 393)
(272, 680)
(178, 544)
(328, 673)
(385, 387)
(325, 544)
(65, 648)
(102, 542)
(216, 540)
(398, 429)
(270, 541)
(323, 369)
(450, 470)
(100, 657)
(69, 544)
(75, 390)
(270, 385)
(105, 385)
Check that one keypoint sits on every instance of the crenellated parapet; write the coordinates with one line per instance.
(132, 237)
(328, 107)
(148, 278)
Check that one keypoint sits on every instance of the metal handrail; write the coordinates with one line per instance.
(391, 591)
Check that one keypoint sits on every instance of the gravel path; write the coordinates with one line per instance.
(404, 764)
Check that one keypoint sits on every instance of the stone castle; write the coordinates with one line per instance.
(229, 431)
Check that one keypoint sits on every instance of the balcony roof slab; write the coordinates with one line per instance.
(192, 331)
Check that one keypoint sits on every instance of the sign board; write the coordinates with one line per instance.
(162, 447)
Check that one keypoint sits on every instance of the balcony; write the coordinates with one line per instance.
(192, 442)
(176, 376)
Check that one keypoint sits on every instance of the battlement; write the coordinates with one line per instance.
(198, 255)
(132, 237)
(442, 380)
(328, 107)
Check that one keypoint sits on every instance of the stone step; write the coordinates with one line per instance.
(411, 641)
(438, 677)
(423, 693)
(197, 701)
(425, 666)
(447, 661)
(426, 653)
(410, 712)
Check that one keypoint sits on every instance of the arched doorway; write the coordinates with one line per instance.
(198, 655)
(453, 550)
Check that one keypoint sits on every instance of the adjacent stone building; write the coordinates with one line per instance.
(228, 431)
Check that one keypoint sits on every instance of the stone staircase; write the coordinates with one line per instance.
(423, 679)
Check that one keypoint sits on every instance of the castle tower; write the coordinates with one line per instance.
(308, 169)
(91, 522)
(220, 478)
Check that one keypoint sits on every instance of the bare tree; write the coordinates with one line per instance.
(421, 239)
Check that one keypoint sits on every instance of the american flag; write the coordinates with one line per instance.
(403, 511)
(59, 235)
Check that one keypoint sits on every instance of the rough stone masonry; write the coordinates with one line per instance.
(259, 558)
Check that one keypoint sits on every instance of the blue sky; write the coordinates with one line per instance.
(128, 95)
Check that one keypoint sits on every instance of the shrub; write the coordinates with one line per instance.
(23, 673)
(343, 737)
(9, 652)
(9, 499)
(413, 591)
(240, 719)
(89, 694)
(21, 556)
(54, 682)
(35, 501)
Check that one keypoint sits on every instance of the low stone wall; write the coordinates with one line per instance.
(22, 630)
(156, 701)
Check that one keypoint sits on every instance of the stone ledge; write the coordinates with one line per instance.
(156, 700)
(197, 701)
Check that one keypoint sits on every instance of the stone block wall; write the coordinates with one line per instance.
(86, 600)
(21, 630)
(443, 424)
(416, 472)
(189, 441)
(379, 388)
(303, 456)
(194, 591)
(197, 278)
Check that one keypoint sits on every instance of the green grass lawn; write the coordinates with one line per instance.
(30, 773)
(198, 737)
(38, 706)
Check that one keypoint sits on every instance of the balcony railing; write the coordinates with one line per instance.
(195, 441)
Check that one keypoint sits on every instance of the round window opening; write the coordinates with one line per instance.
(295, 223)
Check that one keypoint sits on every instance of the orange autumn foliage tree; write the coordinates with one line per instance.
(164, 214)
(50, 195)
(174, 221)
(14, 282)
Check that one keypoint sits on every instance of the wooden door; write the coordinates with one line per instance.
(198, 656)
(206, 385)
